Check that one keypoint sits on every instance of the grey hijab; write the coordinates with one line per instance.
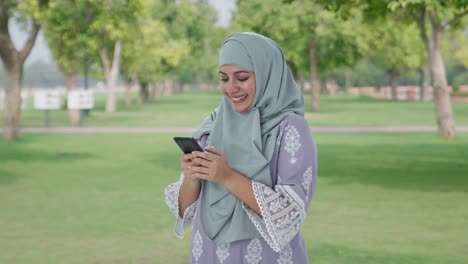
(247, 139)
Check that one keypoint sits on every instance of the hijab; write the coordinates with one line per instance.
(247, 139)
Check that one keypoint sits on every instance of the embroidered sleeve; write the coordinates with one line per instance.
(284, 207)
(172, 201)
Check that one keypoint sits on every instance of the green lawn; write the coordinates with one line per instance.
(189, 108)
(381, 198)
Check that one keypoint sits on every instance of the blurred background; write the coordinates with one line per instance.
(92, 92)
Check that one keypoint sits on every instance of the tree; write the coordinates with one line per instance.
(434, 18)
(440, 15)
(395, 46)
(150, 48)
(110, 21)
(32, 14)
(65, 31)
(305, 27)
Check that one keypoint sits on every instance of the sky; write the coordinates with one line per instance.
(41, 52)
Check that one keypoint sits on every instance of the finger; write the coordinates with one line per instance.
(204, 155)
(187, 157)
(214, 151)
(199, 176)
(198, 169)
(201, 162)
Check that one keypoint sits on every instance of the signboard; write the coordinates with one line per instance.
(46, 100)
(80, 99)
(24, 99)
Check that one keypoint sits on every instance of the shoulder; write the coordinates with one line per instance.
(294, 121)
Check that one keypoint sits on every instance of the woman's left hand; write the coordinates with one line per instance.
(211, 165)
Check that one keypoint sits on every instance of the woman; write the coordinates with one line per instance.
(248, 194)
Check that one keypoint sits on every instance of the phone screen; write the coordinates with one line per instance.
(188, 144)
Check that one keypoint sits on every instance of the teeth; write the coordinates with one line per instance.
(238, 98)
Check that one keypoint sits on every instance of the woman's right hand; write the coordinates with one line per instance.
(185, 165)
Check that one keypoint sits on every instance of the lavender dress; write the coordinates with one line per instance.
(284, 207)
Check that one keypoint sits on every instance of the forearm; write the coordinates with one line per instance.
(188, 194)
(241, 187)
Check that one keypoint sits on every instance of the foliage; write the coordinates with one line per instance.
(294, 26)
(66, 29)
(395, 46)
(149, 47)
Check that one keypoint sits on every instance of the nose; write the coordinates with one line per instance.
(231, 87)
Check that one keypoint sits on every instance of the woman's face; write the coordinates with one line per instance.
(238, 85)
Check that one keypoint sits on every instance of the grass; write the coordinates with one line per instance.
(189, 108)
(381, 198)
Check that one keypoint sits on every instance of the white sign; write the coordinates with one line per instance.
(24, 99)
(80, 99)
(46, 100)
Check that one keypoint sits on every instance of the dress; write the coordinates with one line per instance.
(284, 207)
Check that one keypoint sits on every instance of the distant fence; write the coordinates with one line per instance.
(408, 93)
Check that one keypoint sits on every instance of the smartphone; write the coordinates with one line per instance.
(188, 144)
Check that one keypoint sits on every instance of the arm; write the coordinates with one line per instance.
(284, 206)
(188, 192)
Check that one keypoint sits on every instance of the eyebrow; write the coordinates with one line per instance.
(241, 71)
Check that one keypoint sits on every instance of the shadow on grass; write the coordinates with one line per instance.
(329, 253)
(421, 167)
(8, 177)
(22, 154)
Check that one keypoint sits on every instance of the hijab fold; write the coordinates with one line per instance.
(247, 139)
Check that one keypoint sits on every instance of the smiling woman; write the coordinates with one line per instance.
(248, 193)
(238, 85)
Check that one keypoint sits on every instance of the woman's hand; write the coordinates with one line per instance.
(210, 166)
(186, 164)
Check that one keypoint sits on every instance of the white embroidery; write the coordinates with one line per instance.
(172, 197)
(292, 142)
(197, 249)
(307, 179)
(285, 256)
(254, 251)
(283, 214)
(222, 251)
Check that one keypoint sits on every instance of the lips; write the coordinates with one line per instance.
(239, 99)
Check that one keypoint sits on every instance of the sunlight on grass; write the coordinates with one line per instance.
(381, 198)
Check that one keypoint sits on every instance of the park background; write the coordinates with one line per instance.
(95, 194)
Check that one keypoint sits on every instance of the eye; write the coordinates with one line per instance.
(243, 79)
(223, 79)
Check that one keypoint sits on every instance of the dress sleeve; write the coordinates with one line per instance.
(172, 200)
(284, 207)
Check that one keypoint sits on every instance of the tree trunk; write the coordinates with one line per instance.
(143, 99)
(348, 79)
(128, 94)
(73, 114)
(394, 77)
(13, 61)
(168, 86)
(424, 81)
(156, 92)
(111, 71)
(128, 90)
(315, 87)
(443, 105)
(12, 107)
